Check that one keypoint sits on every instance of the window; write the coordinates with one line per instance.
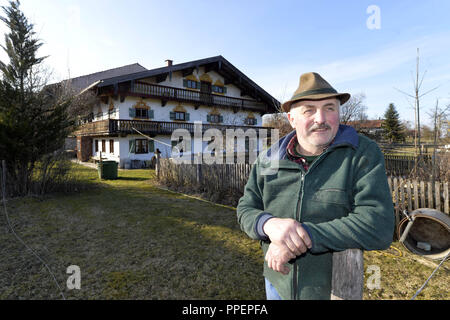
(191, 84)
(96, 145)
(141, 113)
(214, 118)
(104, 145)
(219, 89)
(178, 144)
(141, 146)
(180, 115)
(251, 121)
(111, 146)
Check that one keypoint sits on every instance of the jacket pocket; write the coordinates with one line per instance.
(332, 196)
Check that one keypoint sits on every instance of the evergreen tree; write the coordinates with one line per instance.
(33, 122)
(393, 130)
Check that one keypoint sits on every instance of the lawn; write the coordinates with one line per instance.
(133, 240)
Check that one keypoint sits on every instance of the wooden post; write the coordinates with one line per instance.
(347, 281)
(446, 198)
(437, 195)
(199, 169)
(430, 195)
(410, 206)
(397, 202)
(157, 165)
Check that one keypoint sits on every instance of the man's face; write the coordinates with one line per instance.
(316, 123)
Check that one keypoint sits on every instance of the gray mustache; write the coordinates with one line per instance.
(320, 126)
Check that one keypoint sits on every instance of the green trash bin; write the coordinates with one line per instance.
(107, 170)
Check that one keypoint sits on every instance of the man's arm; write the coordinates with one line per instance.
(289, 233)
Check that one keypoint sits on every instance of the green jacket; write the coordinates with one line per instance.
(343, 201)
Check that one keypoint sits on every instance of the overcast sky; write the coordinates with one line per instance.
(358, 46)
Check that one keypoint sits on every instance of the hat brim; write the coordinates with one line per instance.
(343, 98)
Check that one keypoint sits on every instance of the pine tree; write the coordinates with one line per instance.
(33, 122)
(393, 130)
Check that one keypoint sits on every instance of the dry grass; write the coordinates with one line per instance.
(133, 240)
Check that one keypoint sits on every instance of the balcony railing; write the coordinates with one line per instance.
(116, 127)
(196, 97)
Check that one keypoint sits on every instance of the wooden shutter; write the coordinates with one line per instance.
(151, 114)
(208, 118)
(172, 116)
(132, 146)
(151, 146)
(186, 116)
(220, 119)
(132, 112)
(185, 83)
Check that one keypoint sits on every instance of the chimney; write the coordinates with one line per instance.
(169, 62)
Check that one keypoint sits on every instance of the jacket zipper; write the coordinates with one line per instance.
(297, 217)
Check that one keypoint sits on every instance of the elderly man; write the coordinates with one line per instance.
(329, 193)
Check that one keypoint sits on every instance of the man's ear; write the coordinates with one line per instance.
(291, 120)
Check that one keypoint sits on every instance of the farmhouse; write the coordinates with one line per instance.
(136, 103)
(370, 126)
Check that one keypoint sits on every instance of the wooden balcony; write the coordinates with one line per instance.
(195, 97)
(114, 127)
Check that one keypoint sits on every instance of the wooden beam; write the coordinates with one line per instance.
(187, 72)
(209, 67)
(347, 281)
(161, 77)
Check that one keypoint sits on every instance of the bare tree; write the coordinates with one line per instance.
(439, 117)
(279, 121)
(354, 109)
(416, 97)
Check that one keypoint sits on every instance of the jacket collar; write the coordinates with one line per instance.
(346, 135)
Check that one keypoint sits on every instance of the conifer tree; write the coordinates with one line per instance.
(393, 130)
(33, 122)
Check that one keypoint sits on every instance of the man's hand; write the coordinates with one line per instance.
(277, 256)
(288, 233)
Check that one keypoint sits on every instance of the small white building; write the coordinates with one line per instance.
(140, 109)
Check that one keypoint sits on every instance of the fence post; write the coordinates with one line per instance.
(199, 169)
(157, 165)
(347, 282)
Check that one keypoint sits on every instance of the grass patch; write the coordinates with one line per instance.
(133, 240)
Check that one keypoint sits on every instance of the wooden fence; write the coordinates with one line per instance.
(214, 177)
(409, 194)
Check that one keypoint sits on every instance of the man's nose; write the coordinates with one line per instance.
(320, 116)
